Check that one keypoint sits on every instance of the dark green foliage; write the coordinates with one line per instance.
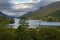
(7, 34)
(4, 21)
(25, 33)
(22, 33)
(53, 17)
(47, 33)
(24, 22)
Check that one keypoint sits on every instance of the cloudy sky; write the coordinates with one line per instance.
(25, 1)
(20, 7)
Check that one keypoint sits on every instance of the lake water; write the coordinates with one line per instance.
(35, 23)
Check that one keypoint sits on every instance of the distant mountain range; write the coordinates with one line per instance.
(43, 11)
(2, 14)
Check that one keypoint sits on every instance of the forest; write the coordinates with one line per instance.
(25, 33)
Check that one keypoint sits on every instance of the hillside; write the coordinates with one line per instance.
(53, 17)
(42, 11)
(2, 14)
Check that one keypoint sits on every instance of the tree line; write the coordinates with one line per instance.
(52, 17)
(24, 33)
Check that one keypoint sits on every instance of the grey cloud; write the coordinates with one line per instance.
(14, 14)
(4, 4)
(46, 2)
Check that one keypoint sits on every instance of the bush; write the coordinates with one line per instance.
(21, 33)
(48, 33)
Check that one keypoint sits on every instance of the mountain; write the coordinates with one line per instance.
(26, 14)
(45, 10)
(2, 14)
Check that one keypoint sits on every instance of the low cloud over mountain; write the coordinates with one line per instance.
(6, 6)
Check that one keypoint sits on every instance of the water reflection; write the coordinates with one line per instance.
(35, 23)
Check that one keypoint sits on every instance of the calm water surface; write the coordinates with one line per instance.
(35, 23)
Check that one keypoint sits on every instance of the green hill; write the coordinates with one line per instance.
(53, 17)
(43, 11)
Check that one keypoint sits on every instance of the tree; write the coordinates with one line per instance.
(24, 22)
(4, 21)
(7, 34)
(21, 30)
(48, 33)
(52, 17)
